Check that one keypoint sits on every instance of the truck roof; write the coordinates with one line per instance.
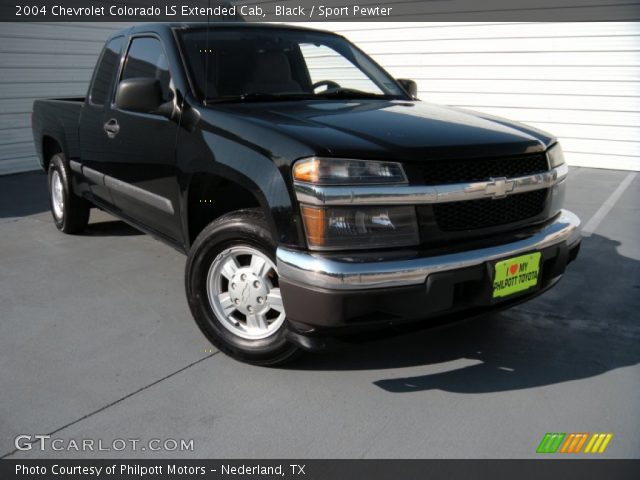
(155, 27)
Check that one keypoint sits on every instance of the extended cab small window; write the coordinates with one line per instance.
(105, 72)
(146, 59)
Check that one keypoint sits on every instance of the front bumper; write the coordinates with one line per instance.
(326, 294)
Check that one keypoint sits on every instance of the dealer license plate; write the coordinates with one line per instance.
(516, 274)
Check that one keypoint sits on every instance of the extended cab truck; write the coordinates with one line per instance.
(315, 196)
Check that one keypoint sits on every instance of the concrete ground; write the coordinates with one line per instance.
(97, 342)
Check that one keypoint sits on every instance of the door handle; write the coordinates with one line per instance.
(112, 128)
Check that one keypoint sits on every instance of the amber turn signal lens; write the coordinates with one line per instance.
(342, 228)
(315, 224)
(307, 171)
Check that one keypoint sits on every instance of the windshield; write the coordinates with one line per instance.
(268, 64)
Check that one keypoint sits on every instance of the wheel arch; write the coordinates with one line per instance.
(209, 196)
(50, 146)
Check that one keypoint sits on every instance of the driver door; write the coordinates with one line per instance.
(141, 147)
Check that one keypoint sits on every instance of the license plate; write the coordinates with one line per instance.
(516, 274)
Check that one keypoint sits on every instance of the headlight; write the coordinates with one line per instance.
(340, 171)
(556, 157)
(360, 227)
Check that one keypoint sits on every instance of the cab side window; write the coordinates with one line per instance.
(146, 59)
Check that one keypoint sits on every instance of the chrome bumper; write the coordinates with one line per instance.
(313, 269)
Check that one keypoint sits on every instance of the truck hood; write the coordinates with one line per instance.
(383, 129)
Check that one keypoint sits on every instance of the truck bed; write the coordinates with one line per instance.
(57, 119)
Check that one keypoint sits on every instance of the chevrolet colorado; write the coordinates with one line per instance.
(315, 196)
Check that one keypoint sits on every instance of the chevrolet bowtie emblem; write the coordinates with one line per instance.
(499, 187)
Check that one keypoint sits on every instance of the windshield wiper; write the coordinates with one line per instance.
(353, 93)
(279, 97)
(259, 97)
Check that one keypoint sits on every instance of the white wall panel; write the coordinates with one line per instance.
(580, 81)
(39, 61)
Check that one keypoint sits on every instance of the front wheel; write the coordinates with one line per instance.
(233, 289)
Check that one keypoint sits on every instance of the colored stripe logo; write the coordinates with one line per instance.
(550, 442)
(598, 443)
(574, 442)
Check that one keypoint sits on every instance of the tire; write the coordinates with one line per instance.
(70, 212)
(232, 289)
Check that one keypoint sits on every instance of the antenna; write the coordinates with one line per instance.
(206, 56)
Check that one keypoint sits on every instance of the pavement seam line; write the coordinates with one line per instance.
(594, 222)
(122, 399)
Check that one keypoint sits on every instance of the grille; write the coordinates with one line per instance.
(460, 171)
(487, 212)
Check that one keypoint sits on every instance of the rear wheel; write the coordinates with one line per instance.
(233, 290)
(70, 212)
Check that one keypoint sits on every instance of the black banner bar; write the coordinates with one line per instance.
(317, 10)
(583, 469)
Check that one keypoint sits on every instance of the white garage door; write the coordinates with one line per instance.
(40, 61)
(579, 81)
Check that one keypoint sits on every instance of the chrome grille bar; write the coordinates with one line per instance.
(420, 194)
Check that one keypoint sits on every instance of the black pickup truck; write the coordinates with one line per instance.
(315, 196)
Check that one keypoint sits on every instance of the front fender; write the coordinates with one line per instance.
(224, 155)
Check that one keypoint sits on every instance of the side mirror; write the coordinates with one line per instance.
(409, 86)
(142, 95)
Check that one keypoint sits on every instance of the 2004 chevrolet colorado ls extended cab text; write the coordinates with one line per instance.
(315, 196)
